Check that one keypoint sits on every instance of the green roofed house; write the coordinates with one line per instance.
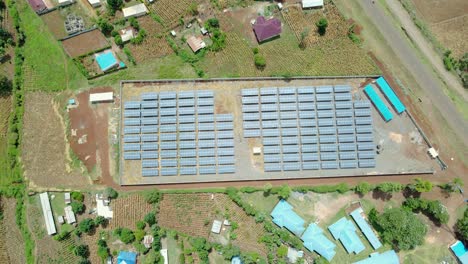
(388, 257)
(315, 240)
(345, 231)
(284, 216)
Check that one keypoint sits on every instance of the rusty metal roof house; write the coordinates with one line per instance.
(195, 43)
(266, 29)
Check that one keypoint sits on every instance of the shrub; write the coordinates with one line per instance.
(99, 220)
(77, 207)
(282, 251)
(118, 40)
(105, 27)
(134, 23)
(150, 218)
(389, 187)
(322, 25)
(77, 196)
(140, 225)
(81, 251)
(212, 23)
(114, 5)
(255, 50)
(248, 189)
(260, 217)
(139, 235)
(127, 236)
(260, 61)
(153, 196)
(461, 227)
(432, 208)
(103, 253)
(284, 192)
(86, 226)
(363, 188)
(62, 235)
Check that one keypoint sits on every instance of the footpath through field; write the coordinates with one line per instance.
(422, 73)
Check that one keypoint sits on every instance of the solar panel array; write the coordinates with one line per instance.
(309, 128)
(178, 134)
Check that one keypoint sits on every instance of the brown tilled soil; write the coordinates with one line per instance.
(11, 239)
(85, 43)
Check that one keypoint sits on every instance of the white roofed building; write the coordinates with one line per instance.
(69, 215)
(135, 11)
(216, 227)
(101, 97)
(312, 3)
(94, 3)
(103, 208)
(47, 212)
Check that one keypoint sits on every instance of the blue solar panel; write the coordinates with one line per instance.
(327, 130)
(149, 112)
(308, 131)
(291, 157)
(250, 100)
(250, 133)
(343, 97)
(149, 129)
(226, 160)
(205, 101)
(131, 113)
(224, 126)
(269, 107)
(348, 164)
(168, 112)
(305, 90)
(268, 91)
(206, 143)
(187, 153)
(306, 98)
(362, 112)
(325, 114)
(131, 147)
(307, 122)
(149, 96)
(251, 116)
(149, 164)
(290, 140)
(149, 121)
(206, 135)
(306, 114)
(309, 139)
(206, 152)
(364, 129)
(272, 158)
(306, 106)
(131, 155)
(149, 104)
(327, 139)
(345, 138)
(343, 105)
(250, 108)
(202, 110)
(324, 106)
(167, 95)
(344, 121)
(345, 130)
(288, 115)
(288, 107)
(206, 127)
(270, 116)
(366, 155)
(328, 147)
(292, 166)
(168, 171)
(188, 171)
(206, 161)
(323, 89)
(132, 122)
(269, 99)
(149, 172)
(272, 167)
(187, 136)
(271, 149)
(288, 123)
(186, 102)
(168, 103)
(342, 88)
(186, 94)
(186, 111)
(362, 104)
(309, 148)
(287, 90)
(289, 132)
(329, 165)
(344, 113)
(348, 155)
(364, 138)
(187, 127)
(168, 163)
(132, 105)
(225, 152)
(149, 155)
(224, 118)
(366, 146)
(188, 162)
(250, 92)
(149, 138)
(167, 120)
(251, 124)
(310, 157)
(226, 169)
(324, 97)
(325, 122)
(270, 124)
(369, 163)
(288, 98)
(310, 165)
(347, 146)
(132, 130)
(271, 141)
(205, 93)
(168, 145)
(207, 170)
(225, 134)
(168, 137)
(328, 156)
(291, 149)
(186, 119)
(149, 146)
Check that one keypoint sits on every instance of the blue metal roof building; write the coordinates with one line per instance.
(379, 104)
(365, 228)
(315, 240)
(345, 231)
(388, 257)
(460, 251)
(390, 94)
(126, 257)
(284, 216)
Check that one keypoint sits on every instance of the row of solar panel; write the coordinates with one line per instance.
(273, 131)
(311, 148)
(274, 99)
(225, 149)
(182, 136)
(167, 95)
(295, 157)
(180, 120)
(201, 110)
(154, 163)
(188, 171)
(313, 165)
(298, 89)
(185, 153)
(322, 139)
(182, 127)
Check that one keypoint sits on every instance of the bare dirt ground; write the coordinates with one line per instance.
(11, 239)
(55, 23)
(45, 153)
(85, 43)
(89, 136)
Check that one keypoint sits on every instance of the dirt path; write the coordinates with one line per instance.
(425, 47)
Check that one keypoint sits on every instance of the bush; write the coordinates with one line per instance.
(77, 196)
(105, 27)
(211, 24)
(114, 5)
(153, 196)
(260, 61)
(432, 208)
(86, 226)
(62, 235)
(139, 235)
(282, 251)
(461, 227)
(103, 253)
(150, 218)
(6, 85)
(81, 251)
(99, 220)
(140, 225)
(134, 23)
(260, 217)
(118, 40)
(255, 50)
(284, 192)
(322, 25)
(363, 188)
(248, 189)
(127, 236)
(77, 207)
(389, 187)
(130, 57)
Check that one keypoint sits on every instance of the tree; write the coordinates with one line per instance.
(84, 261)
(150, 218)
(219, 40)
(103, 253)
(260, 217)
(77, 207)
(77, 196)
(401, 228)
(81, 251)
(212, 23)
(153, 196)
(153, 257)
(139, 235)
(267, 188)
(114, 5)
(421, 185)
(282, 251)
(461, 226)
(111, 193)
(99, 220)
(260, 61)
(134, 23)
(127, 236)
(363, 188)
(322, 25)
(284, 192)
(86, 226)
(140, 225)
(389, 187)
(452, 186)
(304, 35)
(105, 26)
(230, 251)
(5, 85)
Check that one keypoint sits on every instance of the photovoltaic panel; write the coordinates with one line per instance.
(344, 121)
(345, 138)
(364, 137)
(131, 155)
(272, 158)
(206, 127)
(288, 107)
(251, 116)
(306, 98)
(224, 118)
(306, 114)
(149, 121)
(168, 171)
(291, 149)
(323, 89)
(347, 146)
(268, 91)
(168, 112)
(343, 105)
(206, 135)
(291, 157)
(186, 94)
(187, 127)
(132, 121)
(292, 166)
(342, 89)
(272, 167)
(206, 161)
(167, 95)
(288, 98)
(362, 112)
(273, 141)
(250, 133)
(306, 106)
(287, 90)
(205, 110)
(370, 163)
(187, 145)
(131, 138)
(269, 99)
(364, 129)
(206, 143)
(343, 97)
(345, 130)
(329, 165)
(187, 136)
(362, 104)
(307, 122)
(309, 139)
(149, 96)
(366, 146)
(250, 92)
(327, 130)
(344, 113)
(309, 148)
(168, 137)
(187, 153)
(325, 114)
(168, 145)
(325, 122)
(305, 90)
(168, 163)
(310, 165)
(167, 120)
(226, 160)
(225, 134)
(224, 126)
(328, 156)
(186, 111)
(188, 162)
(149, 112)
(328, 147)
(327, 139)
(366, 155)
(225, 152)
(310, 157)
(131, 147)
(149, 146)
(270, 116)
(290, 140)
(149, 129)
(168, 103)
(324, 106)
(149, 138)
(288, 123)
(149, 172)
(186, 102)
(207, 170)
(132, 105)
(186, 119)
(348, 164)
(269, 107)
(324, 97)
(205, 101)
(149, 164)
(149, 104)
(132, 130)
(271, 149)
(288, 115)
(205, 93)
(167, 128)
(149, 155)
(287, 132)
(188, 171)
(131, 113)
(348, 155)
(308, 131)
(270, 124)
(250, 100)
(206, 152)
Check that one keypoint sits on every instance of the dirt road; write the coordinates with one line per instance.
(421, 72)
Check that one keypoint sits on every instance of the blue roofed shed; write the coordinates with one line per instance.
(106, 60)
(345, 231)
(460, 251)
(388, 257)
(315, 240)
(365, 228)
(126, 257)
(284, 216)
(236, 260)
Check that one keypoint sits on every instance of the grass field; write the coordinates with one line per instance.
(46, 66)
(173, 250)
(428, 253)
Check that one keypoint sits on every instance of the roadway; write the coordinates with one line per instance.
(422, 73)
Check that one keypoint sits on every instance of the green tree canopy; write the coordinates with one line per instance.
(111, 193)
(5, 85)
(86, 226)
(389, 187)
(153, 196)
(77, 207)
(127, 236)
(114, 5)
(462, 226)
(284, 192)
(421, 185)
(150, 218)
(81, 251)
(322, 25)
(363, 188)
(99, 220)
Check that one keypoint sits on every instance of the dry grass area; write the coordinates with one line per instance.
(128, 210)
(11, 239)
(5, 108)
(45, 150)
(155, 38)
(85, 43)
(189, 213)
(453, 34)
(171, 11)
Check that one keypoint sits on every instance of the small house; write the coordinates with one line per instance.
(127, 34)
(173, 33)
(69, 215)
(106, 60)
(148, 241)
(195, 43)
(67, 194)
(387, 257)
(266, 29)
(94, 3)
(101, 98)
(216, 227)
(284, 216)
(60, 219)
(135, 11)
(312, 3)
(203, 31)
(345, 231)
(47, 213)
(65, 2)
(126, 257)
(103, 209)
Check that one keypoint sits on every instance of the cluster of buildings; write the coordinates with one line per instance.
(344, 230)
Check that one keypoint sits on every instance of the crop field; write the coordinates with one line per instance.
(46, 155)
(11, 239)
(128, 210)
(55, 22)
(190, 213)
(155, 38)
(85, 43)
(170, 11)
(5, 108)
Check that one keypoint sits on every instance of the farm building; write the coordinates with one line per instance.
(135, 11)
(103, 208)
(127, 34)
(69, 215)
(65, 2)
(460, 251)
(216, 227)
(47, 211)
(148, 240)
(312, 3)
(388, 257)
(126, 257)
(106, 60)
(365, 228)
(195, 43)
(37, 5)
(266, 29)
(345, 231)
(94, 3)
(67, 198)
(284, 216)
(165, 255)
(315, 240)
(101, 97)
